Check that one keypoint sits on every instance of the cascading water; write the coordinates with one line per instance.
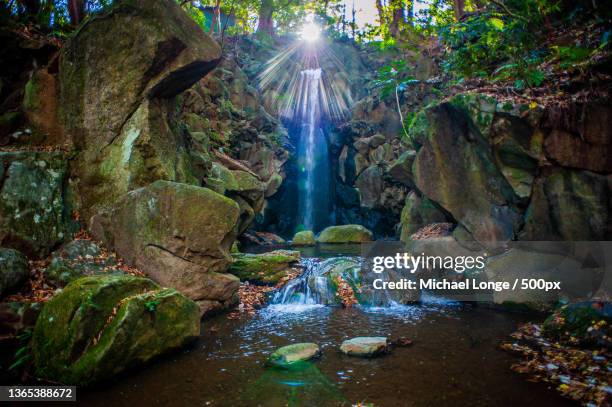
(313, 161)
(317, 285)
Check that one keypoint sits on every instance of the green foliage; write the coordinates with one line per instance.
(499, 44)
(23, 355)
(151, 305)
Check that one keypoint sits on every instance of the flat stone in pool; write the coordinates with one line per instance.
(365, 346)
(292, 354)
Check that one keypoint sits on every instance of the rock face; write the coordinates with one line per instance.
(292, 354)
(180, 235)
(34, 210)
(99, 326)
(77, 259)
(455, 169)
(418, 212)
(118, 76)
(266, 268)
(364, 346)
(14, 270)
(345, 234)
(304, 238)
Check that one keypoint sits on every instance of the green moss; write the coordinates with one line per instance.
(98, 326)
(345, 234)
(266, 268)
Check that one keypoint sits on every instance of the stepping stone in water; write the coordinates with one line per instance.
(292, 354)
(365, 346)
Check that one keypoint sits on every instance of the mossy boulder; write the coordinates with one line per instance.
(99, 326)
(292, 354)
(34, 208)
(77, 259)
(304, 238)
(14, 270)
(345, 234)
(179, 234)
(265, 268)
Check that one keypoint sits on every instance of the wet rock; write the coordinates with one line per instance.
(304, 238)
(180, 235)
(345, 234)
(99, 326)
(293, 354)
(455, 169)
(77, 259)
(14, 270)
(364, 346)
(34, 210)
(265, 268)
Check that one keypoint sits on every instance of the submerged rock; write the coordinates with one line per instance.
(304, 238)
(365, 346)
(291, 354)
(14, 270)
(345, 234)
(99, 326)
(265, 268)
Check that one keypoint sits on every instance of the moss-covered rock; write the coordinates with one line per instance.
(77, 259)
(179, 234)
(345, 234)
(14, 270)
(292, 354)
(119, 75)
(304, 238)
(265, 268)
(34, 209)
(99, 326)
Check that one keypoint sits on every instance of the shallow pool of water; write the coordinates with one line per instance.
(455, 360)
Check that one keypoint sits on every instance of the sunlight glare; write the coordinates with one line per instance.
(310, 31)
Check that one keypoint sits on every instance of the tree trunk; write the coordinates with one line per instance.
(459, 7)
(76, 9)
(266, 24)
(216, 17)
(397, 18)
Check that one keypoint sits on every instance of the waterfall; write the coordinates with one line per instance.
(318, 285)
(313, 157)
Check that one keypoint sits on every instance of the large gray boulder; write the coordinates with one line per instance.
(454, 168)
(118, 76)
(180, 235)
